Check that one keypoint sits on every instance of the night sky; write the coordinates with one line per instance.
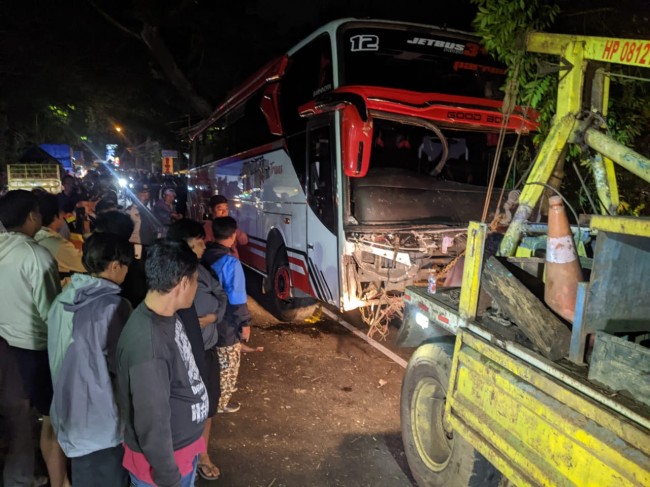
(89, 53)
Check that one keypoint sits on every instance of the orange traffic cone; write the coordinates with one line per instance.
(563, 272)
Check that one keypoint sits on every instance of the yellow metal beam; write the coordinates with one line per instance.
(471, 286)
(630, 52)
(603, 183)
(551, 151)
(626, 225)
(537, 431)
(570, 85)
(603, 167)
(611, 182)
(629, 159)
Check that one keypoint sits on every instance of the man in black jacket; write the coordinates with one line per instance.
(160, 391)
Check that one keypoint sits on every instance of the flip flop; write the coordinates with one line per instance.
(201, 467)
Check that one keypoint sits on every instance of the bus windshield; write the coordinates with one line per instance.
(411, 181)
(421, 60)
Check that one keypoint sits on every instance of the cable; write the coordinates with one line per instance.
(503, 187)
(566, 202)
(584, 186)
(627, 76)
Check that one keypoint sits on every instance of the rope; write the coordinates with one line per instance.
(511, 97)
(493, 173)
(497, 216)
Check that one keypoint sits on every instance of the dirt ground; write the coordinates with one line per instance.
(320, 407)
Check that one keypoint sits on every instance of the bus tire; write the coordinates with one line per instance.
(282, 305)
(436, 456)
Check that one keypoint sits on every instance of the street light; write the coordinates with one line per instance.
(118, 128)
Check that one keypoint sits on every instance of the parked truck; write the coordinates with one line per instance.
(501, 389)
(34, 175)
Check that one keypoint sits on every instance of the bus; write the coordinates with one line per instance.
(355, 161)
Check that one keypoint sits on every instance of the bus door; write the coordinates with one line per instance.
(323, 256)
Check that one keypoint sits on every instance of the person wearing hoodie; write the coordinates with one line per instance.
(134, 287)
(85, 322)
(29, 284)
(235, 326)
(67, 256)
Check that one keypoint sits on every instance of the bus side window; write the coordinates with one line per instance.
(321, 177)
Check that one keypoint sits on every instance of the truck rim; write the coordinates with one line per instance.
(434, 444)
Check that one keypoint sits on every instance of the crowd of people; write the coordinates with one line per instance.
(126, 347)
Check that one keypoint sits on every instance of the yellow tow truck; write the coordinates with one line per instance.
(519, 396)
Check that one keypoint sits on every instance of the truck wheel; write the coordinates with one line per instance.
(283, 305)
(436, 456)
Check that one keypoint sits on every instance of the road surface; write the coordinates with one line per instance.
(320, 407)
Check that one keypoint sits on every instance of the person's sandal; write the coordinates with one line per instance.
(232, 407)
(203, 467)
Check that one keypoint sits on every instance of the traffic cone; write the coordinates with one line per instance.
(563, 272)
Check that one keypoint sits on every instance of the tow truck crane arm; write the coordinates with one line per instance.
(575, 125)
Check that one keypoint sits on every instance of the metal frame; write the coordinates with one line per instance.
(575, 53)
(535, 430)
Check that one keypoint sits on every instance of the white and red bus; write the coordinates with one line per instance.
(355, 160)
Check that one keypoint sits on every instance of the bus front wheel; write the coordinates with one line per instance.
(283, 304)
(436, 456)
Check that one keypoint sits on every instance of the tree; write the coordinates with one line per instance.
(499, 23)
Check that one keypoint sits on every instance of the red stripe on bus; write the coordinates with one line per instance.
(252, 259)
(256, 245)
(301, 280)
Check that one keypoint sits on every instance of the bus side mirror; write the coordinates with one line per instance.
(356, 142)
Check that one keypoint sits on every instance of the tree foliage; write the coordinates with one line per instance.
(503, 25)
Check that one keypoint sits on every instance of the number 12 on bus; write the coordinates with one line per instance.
(355, 161)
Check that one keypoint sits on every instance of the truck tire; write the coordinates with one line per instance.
(437, 457)
(282, 305)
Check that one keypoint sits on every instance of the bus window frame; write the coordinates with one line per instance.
(325, 120)
(356, 129)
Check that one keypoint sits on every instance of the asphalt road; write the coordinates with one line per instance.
(320, 407)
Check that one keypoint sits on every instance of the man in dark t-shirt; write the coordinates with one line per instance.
(161, 393)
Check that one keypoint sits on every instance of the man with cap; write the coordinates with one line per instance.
(164, 209)
(146, 227)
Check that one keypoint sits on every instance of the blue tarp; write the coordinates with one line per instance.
(60, 152)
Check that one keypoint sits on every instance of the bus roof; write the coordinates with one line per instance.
(333, 26)
(275, 68)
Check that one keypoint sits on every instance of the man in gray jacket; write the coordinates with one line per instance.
(85, 322)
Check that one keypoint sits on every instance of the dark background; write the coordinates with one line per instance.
(90, 59)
